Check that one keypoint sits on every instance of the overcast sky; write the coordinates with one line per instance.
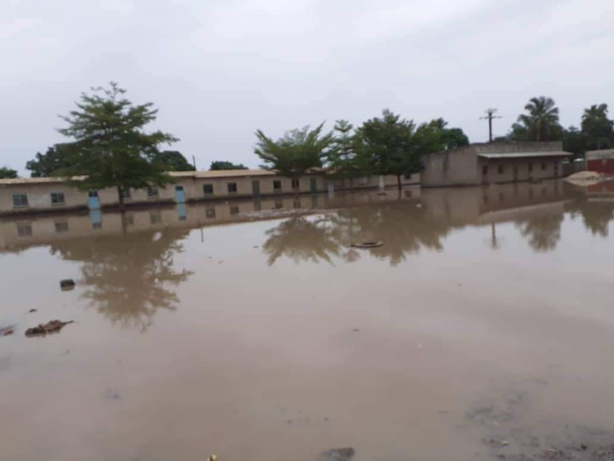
(219, 69)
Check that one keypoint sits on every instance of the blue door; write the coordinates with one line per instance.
(182, 212)
(93, 202)
(179, 194)
(96, 219)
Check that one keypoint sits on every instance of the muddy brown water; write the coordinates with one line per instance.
(482, 328)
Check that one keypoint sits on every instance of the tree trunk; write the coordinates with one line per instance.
(399, 182)
(120, 196)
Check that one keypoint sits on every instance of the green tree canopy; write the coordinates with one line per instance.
(597, 127)
(56, 159)
(296, 152)
(173, 160)
(574, 141)
(342, 161)
(450, 138)
(389, 145)
(224, 165)
(541, 123)
(110, 145)
(7, 173)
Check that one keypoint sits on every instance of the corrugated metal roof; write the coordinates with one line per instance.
(495, 155)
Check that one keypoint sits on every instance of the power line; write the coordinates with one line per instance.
(490, 115)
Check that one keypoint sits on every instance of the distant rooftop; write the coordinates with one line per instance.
(175, 174)
(496, 155)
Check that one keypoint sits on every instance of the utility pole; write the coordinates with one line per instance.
(490, 115)
(194, 161)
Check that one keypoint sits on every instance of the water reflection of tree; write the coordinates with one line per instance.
(595, 215)
(128, 278)
(542, 232)
(402, 226)
(301, 239)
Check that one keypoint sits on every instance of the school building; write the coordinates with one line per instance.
(25, 195)
(494, 163)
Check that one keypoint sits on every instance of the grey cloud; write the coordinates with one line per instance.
(218, 70)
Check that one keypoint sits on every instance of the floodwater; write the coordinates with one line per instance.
(483, 327)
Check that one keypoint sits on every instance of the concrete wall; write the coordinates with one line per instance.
(519, 169)
(464, 166)
(368, 182)
(456, 167)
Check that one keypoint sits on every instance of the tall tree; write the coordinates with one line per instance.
(387, 145)
(342, 160)
(597, 127)
(541, 123)
(7, 173)
(451, 138)
(54, 160)
(574, 141)
(296, 152)
(173, 160)
(110, 146)
(224, 165)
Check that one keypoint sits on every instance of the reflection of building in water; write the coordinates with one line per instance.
(41, 230)
(21, 196)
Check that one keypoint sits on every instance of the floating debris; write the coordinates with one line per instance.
(337, 454)
(50, 327)
(366, 245)
(67, 284)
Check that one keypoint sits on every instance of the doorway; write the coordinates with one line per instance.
(179, 194)
(256, 188)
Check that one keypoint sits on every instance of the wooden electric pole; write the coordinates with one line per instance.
(490, 115)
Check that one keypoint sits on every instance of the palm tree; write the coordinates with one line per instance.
(542, 121)
(597, 127)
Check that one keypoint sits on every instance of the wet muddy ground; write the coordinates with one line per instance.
(482, 329)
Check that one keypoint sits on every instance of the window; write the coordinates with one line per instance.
(179, 188)
(232, 187)
(61, 226)
(20, 200)
(126, 193)
(279, 205)
(277, 185)
(208, 189)
(152, 192)
(408, 194)
(57, 198)
(296, 204)
(484, 170)
(543, 166)
(530, 167)
(210, 213)
(155, 217)
(129, 220)
(295, 184)
(501, 169)
(93, 193)
(24, 230)
(234, 210)
(97, 225)
(408, 177)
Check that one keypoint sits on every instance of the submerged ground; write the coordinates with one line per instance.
(483, 328)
